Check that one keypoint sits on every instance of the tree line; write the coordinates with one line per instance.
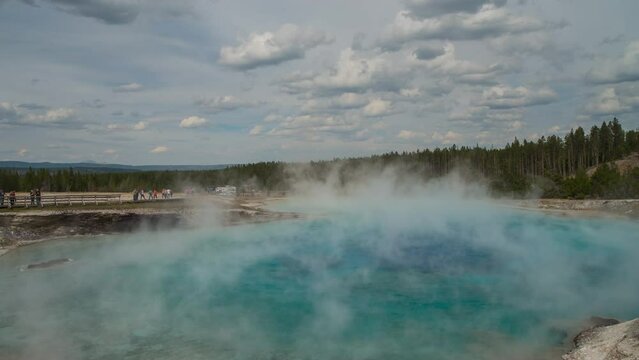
(551, 166)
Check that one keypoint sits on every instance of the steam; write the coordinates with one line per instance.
(385, 267)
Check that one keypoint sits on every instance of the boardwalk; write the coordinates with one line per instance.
(25, 201)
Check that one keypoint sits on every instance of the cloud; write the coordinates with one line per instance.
(223, 103)
(127, 88)
(312, 126)
(117, 12)
(504, 97)
(22, 152)
(428, 52)
(192, 122)
(614, 101)
(139, 126)
(11, 114)
(489, 119)
(462, 71)
(541, 44)
(614, 71)
(110, 152)
(256, 130)
(377, 107)
(289, 42)
(159, 150)
(450, 137)
(433, 8)
(491, 21)
(354, 72)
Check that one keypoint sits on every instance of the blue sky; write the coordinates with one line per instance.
(220, 81)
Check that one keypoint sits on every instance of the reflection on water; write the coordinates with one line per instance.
(412, 283)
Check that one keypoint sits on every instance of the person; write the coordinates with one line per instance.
(141, 193)
(150, 193)
(1, 198)
(32, 196)
(12, 198)
(169, 194)
(135, 195)
(38, 195)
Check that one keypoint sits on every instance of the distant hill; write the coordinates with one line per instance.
(98, 167)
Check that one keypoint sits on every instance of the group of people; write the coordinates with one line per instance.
(12, 198)
(151, 194)
(35, 195)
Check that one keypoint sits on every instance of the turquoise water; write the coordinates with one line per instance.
(408, 280)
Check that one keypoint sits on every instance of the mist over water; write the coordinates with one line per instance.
(429, 273)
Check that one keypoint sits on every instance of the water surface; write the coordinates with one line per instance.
(404, 281)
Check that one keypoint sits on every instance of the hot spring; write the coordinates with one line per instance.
(392, 278)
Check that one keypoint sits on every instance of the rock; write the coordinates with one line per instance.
(607, 342)
(48, 264)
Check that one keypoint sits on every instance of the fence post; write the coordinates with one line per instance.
(120, 198)
(55, 200)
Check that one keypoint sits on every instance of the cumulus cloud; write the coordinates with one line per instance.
(433, 8)
(312, 126)
(127, 88)
(289, 42)
(354, 72)
(377, 107)
(505, 97)
(117, 12)
(22, 152)
(490, 21)
(614, 101)
(12, 114)
(489, 119)
(613, 71)
(256, 130)
(159, 150)
(450, 137)
(123, 127)
(463, 71)
(192, 122)
(223, 103)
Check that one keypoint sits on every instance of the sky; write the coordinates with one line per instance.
(237, 81)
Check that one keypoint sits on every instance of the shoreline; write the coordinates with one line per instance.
(22, 227)
(25, 227)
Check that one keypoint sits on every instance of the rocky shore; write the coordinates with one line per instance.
(607, 340)
(24, 227)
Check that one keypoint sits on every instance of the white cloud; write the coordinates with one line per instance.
(490, 21)
(23, 152)
(110, 152)
(256, 130)
(411, 135)
(223, 103)
(127, 88)
(354, 72)
(505, 97)
(270, 48)
(450, 137)
(159, 150)
(433, 8)
(614, 71)
(377, 107)
(192, 122)
(614, 101)
(140, 125)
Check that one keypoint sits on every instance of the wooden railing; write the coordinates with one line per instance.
(62, 200)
